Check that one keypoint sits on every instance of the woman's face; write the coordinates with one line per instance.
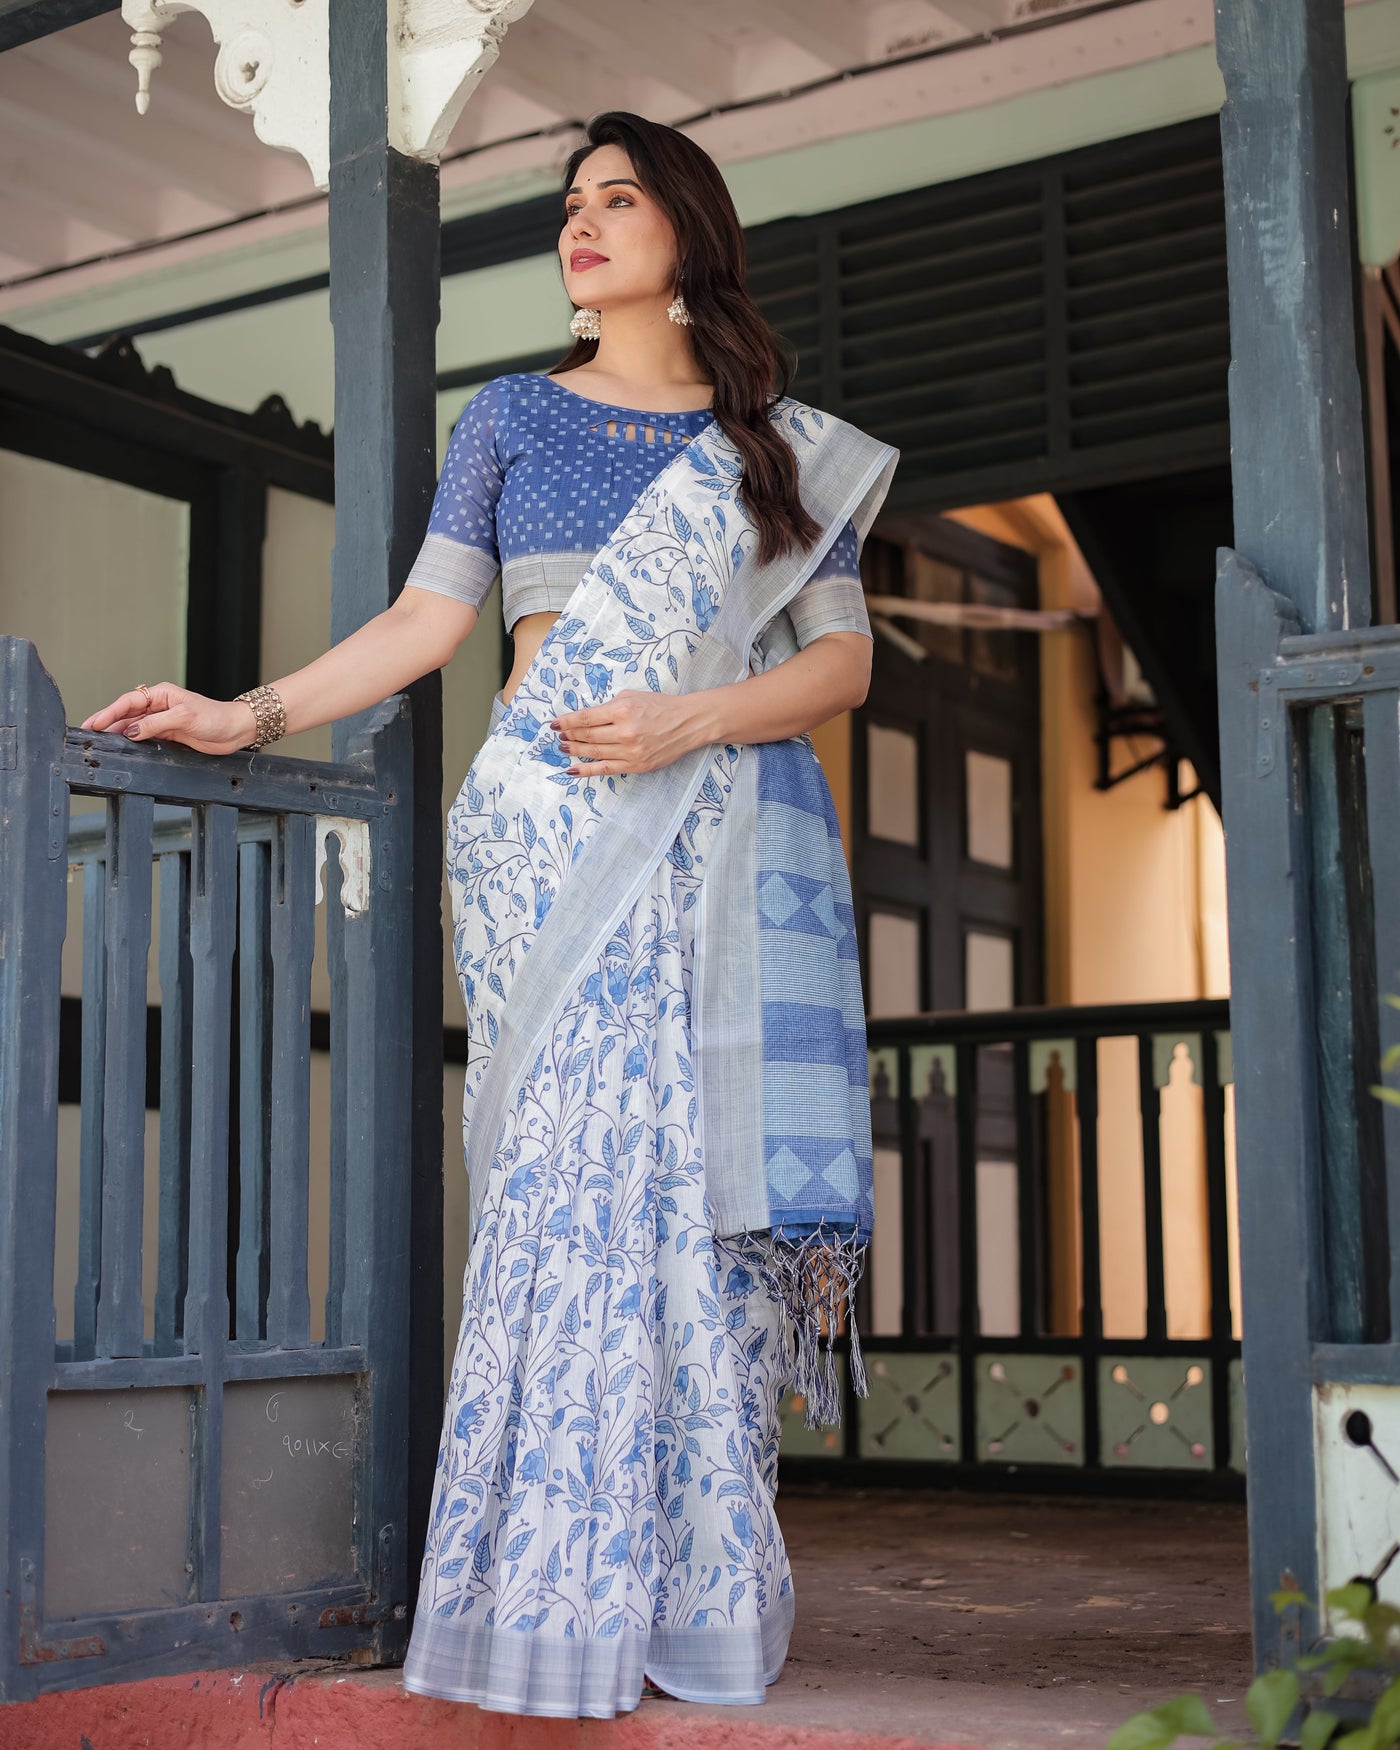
(617, 246)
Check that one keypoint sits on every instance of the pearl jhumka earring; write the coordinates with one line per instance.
(587, 324)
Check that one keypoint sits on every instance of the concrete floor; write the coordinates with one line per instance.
(1003, 1622)
(922, 1619)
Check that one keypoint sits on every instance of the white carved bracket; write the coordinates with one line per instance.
(353, 838)
(274, 64)
(438, 52)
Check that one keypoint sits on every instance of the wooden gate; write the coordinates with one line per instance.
(192, 1479)
(1310, 734)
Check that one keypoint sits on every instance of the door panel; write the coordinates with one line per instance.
(947, 778)
(947, 861)
(894, 954)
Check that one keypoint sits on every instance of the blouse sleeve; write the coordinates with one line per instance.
(832, 599)
(459, 555)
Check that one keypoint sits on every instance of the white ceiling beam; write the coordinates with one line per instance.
(183, 203)
(113, 133)
(976, 17)
(652, 40)
(40, 238)
(14, 267)
(835, 31)
(546, 66)
(188, 101)
(493, 112)
(978, 74)
(126, 210)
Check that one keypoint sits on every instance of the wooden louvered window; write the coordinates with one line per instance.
(1047, 326)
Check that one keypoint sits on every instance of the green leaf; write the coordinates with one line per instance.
(1353, 1600)
(1391, 1096)
(1382, 1620)
(1344, 1656)
(1385, 1719)
(1393, 1001)
(1363, 1739)
(1162, 1725)
(1391, 1058)
(1269, 1702)
(1343, 1667)
(1142, 1732)
(1188, 1714)
(1285, 1600)
(1317, 1729)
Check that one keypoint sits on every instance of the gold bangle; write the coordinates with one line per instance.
(269, 714)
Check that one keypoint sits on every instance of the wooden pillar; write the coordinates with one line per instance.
(384, 225)
(1300, 950)
(1297, 448)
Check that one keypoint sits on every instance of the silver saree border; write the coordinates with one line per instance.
(726, 1022)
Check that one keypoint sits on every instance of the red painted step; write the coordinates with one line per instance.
(320, 1707)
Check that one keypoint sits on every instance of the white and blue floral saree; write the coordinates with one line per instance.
(667, 1135)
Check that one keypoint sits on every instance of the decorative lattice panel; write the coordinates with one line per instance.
(912, 1410)
(884, 1074)
(1030, 1409)
(1154, 1412)
(1356, 1431)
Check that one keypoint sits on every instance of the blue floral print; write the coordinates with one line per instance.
(603, 1502)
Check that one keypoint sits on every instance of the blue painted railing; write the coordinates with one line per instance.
(994, 1354)
(191, 1479)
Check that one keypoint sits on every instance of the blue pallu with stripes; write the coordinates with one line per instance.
(816, 1105)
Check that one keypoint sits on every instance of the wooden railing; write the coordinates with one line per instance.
(1050, 1288)
(196, 1474)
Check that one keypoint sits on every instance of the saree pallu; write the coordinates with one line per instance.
(667, 1136)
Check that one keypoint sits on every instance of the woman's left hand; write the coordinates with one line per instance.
(633, 732)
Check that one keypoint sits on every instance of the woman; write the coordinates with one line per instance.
(666, 1120)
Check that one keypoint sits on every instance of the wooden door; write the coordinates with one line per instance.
(946, 834)
(947, 877)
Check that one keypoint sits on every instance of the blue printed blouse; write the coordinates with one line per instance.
(537, 477)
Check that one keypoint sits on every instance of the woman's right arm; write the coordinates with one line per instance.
(415, 635)
(418, 633)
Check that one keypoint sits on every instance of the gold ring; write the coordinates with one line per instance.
(141, 687)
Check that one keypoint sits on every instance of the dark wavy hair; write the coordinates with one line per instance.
(736, 347)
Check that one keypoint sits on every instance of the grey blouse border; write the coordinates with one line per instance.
(453, 568)
(543, 583)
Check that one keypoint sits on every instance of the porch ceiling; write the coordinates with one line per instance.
(84, 177)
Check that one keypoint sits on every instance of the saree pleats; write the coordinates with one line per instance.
(603, 1503)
